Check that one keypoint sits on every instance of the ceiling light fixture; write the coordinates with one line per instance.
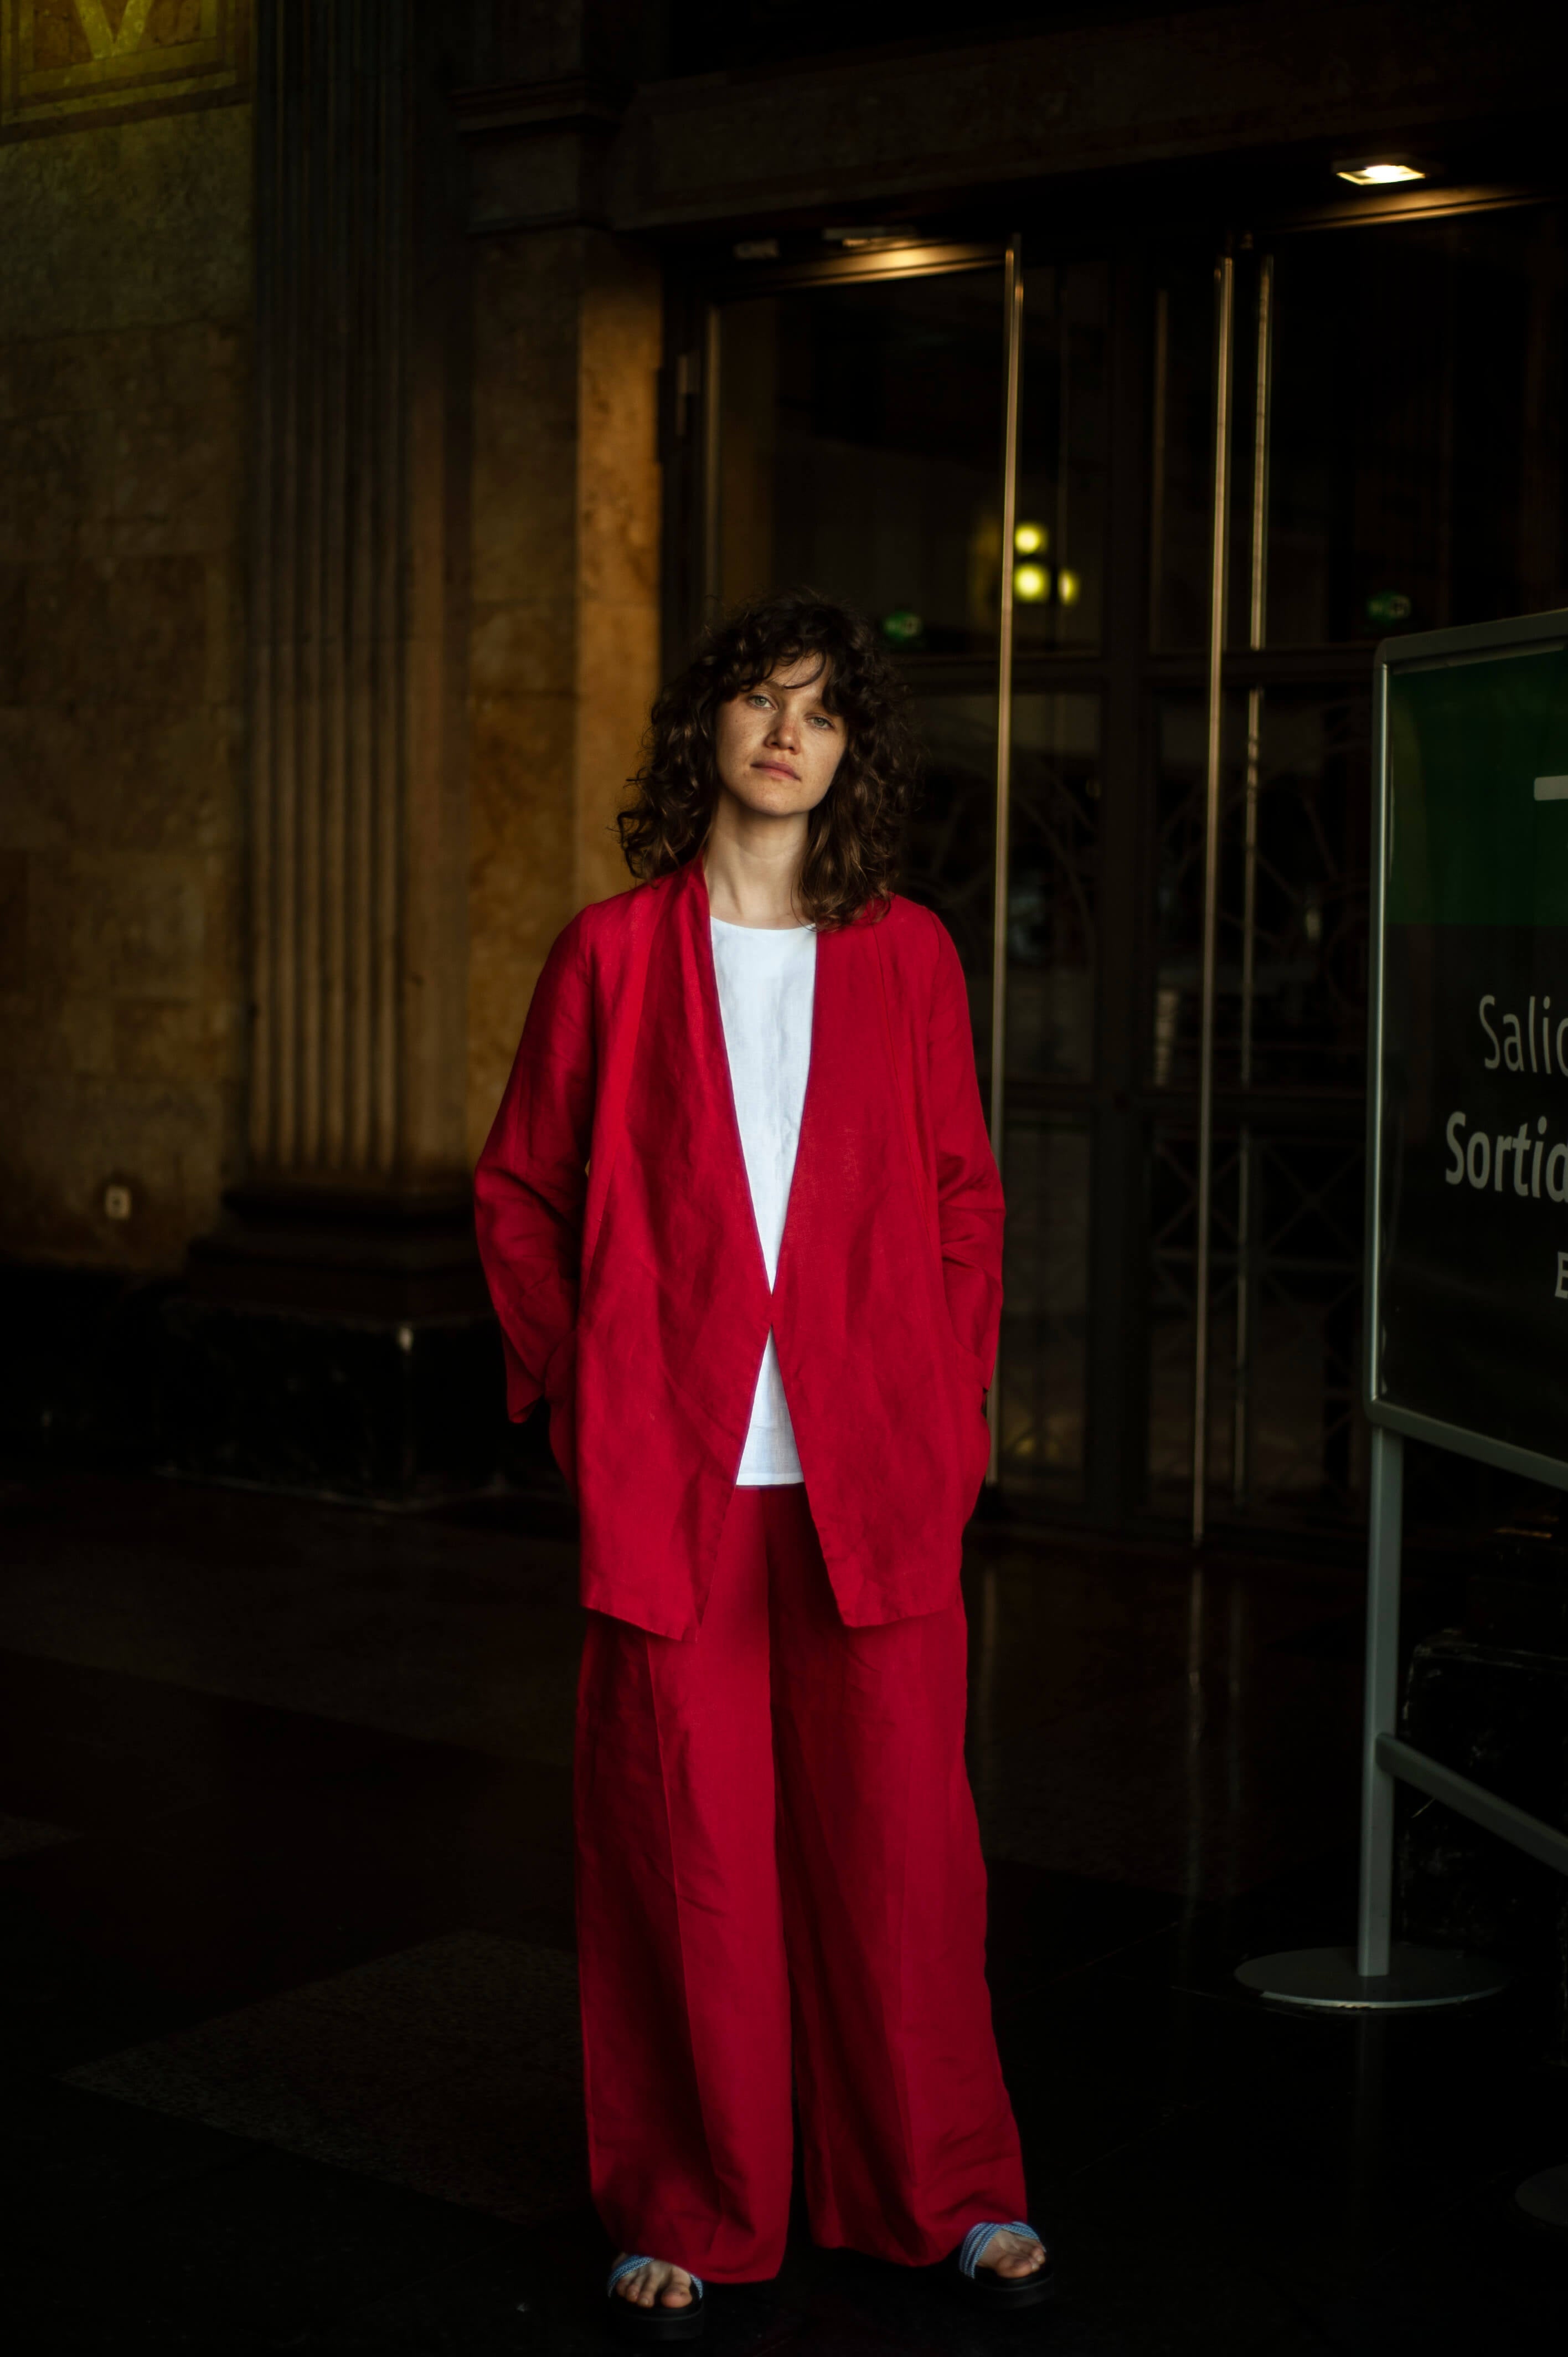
(858, 240)
(1379, 175)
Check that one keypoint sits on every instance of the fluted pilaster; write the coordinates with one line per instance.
(348, 804)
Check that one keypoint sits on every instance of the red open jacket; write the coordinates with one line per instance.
(615, 1227)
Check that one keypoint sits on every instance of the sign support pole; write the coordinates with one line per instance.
(1380, 1708)
(1380, 1974)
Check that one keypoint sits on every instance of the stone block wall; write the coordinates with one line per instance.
(125, 311)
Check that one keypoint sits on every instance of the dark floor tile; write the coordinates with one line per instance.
(1471, 2279)
(481, 2126)
(290, 1850)
(67, 2155)
(266, 2250)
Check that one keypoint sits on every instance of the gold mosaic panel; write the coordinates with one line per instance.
(68, 63)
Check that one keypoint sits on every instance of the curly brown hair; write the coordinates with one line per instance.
(854, 834)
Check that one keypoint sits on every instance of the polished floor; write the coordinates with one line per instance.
(287, 1986)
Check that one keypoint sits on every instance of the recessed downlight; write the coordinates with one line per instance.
(1379, 172)
(858, 238)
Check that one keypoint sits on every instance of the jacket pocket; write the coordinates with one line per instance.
(967, 1392)
(561, 1396)
(978, 1464)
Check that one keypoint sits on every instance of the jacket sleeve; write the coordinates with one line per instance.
(969, 1191)
(531, 1179)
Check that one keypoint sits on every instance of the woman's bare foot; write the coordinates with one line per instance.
(1012, 2255)
(659, 2280)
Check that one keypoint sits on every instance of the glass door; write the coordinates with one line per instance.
(926, 445)
(1386, 455)
(856, 431)
(1134, 523)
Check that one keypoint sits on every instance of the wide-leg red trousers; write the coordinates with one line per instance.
(777, 1856)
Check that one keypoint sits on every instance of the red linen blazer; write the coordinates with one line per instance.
(615, 1227)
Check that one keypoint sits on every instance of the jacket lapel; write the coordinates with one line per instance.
(709, 1053)
(850, 1133)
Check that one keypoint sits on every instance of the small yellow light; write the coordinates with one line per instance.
(1031, 540)
(1031, 582)
(1069, 587)
(1378, 176)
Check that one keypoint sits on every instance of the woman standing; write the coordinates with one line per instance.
(743, 1231)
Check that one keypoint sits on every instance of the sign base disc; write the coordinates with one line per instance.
(1327, 1978)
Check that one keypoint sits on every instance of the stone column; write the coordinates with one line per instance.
(565, 619)
(567, 496)
(338, 1335)
(454, 623)
(357, 849)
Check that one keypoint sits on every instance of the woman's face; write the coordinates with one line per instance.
(777, 745)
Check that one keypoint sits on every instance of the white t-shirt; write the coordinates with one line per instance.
(767, 979)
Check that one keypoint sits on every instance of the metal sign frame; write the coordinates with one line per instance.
(1429, 651)
(1378, 1974)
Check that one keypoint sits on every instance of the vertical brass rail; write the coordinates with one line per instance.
(1012, 299)
(1014, 320)
(1157, 464)
(1225, 306)
(713, 432)
(1256, 615)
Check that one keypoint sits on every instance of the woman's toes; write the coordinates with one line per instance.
(1014, 2257)
(657, 2286)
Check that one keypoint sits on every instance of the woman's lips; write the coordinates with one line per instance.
(775, 769)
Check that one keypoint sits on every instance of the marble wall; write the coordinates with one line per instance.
(564, 634)
(124, 308)
(128, 498)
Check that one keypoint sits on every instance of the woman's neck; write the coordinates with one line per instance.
(752, 863)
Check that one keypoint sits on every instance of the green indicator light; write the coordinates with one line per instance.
(903, 626)
(1388, 606)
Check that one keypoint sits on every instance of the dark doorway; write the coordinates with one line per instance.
(1018, 464)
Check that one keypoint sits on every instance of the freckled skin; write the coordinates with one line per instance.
(778, 748)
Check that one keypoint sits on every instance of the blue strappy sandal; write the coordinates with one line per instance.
(984, 2284)
(658, 2323)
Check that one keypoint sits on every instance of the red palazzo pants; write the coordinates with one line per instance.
(778, 1858)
